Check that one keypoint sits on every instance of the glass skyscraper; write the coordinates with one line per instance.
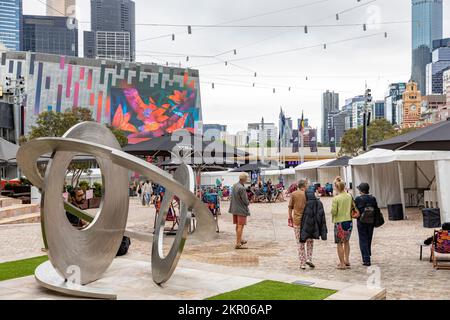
(10, 24)
(427, 25)
(115, 17)
(49, 34)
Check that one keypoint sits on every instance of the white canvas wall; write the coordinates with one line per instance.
(230, 178)
(310, 175)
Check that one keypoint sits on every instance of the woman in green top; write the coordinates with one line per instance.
(343, 223)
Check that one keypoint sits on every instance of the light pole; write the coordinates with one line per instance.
(15, 95)
(366, 116)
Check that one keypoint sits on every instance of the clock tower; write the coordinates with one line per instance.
(412, 106)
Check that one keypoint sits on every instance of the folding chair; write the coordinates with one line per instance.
(441, 246)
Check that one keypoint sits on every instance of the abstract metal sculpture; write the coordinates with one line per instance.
(93, 249)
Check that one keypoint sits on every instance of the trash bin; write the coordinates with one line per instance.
(431, 218)
(395, 212)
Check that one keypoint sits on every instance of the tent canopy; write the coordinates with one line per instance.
(433, 137)
(386, 156)
(8, 150)
(257, 166)
(340, 162)
(313, 164)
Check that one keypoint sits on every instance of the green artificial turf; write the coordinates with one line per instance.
(272, 290)
(21, 268)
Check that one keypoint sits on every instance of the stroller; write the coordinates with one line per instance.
(172, 214)
(213, 204)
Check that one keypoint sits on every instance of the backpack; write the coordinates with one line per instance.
(124, 246)
(368, 216)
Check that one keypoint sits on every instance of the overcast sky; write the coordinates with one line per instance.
(342, 67)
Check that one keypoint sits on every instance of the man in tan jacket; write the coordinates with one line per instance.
(297, 206)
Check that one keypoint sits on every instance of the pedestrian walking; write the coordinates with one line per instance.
(147, 191)
(313, 225)
(239, 208)
(297, 207)
(343, 224)
(368, 208)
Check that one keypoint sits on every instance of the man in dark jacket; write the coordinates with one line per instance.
(365, 230)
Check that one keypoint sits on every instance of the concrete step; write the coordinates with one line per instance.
(6, 202)
(26, 218)
(18, 210)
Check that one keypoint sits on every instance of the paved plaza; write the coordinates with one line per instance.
(272, 250)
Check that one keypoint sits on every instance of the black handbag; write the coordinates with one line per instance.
(379, 219)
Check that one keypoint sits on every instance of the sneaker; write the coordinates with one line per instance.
(367, 264)
(310, 264)
(303, 267)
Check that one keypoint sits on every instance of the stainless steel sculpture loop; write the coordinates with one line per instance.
(92, 250)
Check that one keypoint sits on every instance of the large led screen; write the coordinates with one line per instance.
(144, 112)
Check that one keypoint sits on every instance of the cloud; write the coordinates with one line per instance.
(343, 67)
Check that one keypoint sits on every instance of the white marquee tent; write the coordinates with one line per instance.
(309, 171)
(288, 176)
(396, 176)
(338, 168)
(230, 178)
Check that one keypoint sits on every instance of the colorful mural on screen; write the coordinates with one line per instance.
(148, 112)
(145, 99)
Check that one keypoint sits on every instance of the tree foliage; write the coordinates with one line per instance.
(56, 124)
(379, 130)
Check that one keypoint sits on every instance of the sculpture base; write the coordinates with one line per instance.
(48, 278)
(129, 279)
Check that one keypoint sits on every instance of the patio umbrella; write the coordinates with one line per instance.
(8, 150)
(164, 145)
(435, 137)
(340, 162)
(252, 167)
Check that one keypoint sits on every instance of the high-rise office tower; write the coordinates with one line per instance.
(61, 8)
(113, 30)
(330, 104)
(10, 24)
(46, 34)
(427, 25)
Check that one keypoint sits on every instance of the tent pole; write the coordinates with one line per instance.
(373, 176)
(353, 181)
(402, 189)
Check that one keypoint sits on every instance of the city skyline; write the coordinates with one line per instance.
(377, 60)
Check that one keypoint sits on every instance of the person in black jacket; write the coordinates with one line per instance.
(314, 225)
(365, 230)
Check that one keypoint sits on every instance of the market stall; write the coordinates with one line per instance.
(309, 171)
(337, 168)
(399, 177)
